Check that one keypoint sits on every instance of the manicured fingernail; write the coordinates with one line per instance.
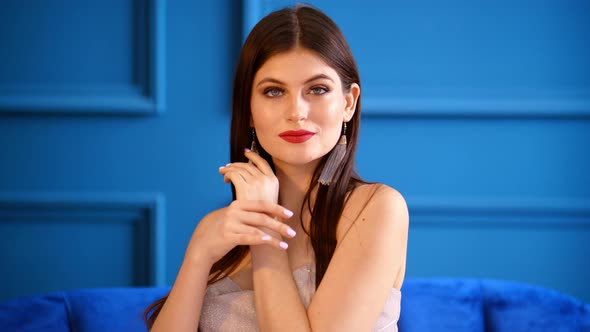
(291, 232)
(227, 164)
(246, 150)
(284, 245)
(288, 213)
(266, 238)
(222, 167)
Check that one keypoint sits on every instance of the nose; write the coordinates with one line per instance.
(298, 109)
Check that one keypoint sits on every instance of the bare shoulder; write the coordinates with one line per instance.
(386, 199)
(373, 233)
(371, 252)
(214, 215)
(377, 206)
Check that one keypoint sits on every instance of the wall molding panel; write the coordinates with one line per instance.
(494, 212)
(131, 222)
(144, 95)
(481, 63)
(514, 107)
(537, 241)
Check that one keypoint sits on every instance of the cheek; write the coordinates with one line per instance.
(329, 113)
(260, 113)
(265, 121)
(330, 122)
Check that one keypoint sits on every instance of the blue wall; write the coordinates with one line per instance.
(114, 118)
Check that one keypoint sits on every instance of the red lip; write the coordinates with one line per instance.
(296, 136)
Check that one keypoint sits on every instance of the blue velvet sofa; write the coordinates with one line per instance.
(456, 305)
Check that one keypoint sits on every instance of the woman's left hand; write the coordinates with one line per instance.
(253, 181)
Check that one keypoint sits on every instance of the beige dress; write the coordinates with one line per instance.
(226, 307)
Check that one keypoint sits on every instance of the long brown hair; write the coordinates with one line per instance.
(283, 30)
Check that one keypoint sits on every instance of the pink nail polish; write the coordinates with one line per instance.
(291, 232)
(284, 245)
(266, 238)
(288, 213)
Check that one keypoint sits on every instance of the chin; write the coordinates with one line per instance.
(294, 159)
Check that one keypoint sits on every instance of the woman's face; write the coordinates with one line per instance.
(298, 107)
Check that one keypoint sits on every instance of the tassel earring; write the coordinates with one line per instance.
(253, 146)
(334, 160)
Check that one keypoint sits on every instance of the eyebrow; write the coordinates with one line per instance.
(316, 77)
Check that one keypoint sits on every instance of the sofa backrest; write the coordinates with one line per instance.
(488, 305)
(84, 310)
(457, 305)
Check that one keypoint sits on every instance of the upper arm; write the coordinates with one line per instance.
(364, 266)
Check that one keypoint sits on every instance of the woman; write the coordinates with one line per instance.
(300, 217)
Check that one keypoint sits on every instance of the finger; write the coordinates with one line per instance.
(234, 177)
(251, 169)
(268, 207)
(222, 171)
(248, 235)
(260, 162)
(245, 173)
(262, 220)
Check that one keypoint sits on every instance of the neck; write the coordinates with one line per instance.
(294, 181)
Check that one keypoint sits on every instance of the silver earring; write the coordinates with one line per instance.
(334, 160)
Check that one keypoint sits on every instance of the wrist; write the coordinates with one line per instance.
(264, 252)
(199, 259)
(264, 256)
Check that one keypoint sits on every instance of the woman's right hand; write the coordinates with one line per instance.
(240, 223)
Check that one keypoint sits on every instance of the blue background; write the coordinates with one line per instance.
(114, 119)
